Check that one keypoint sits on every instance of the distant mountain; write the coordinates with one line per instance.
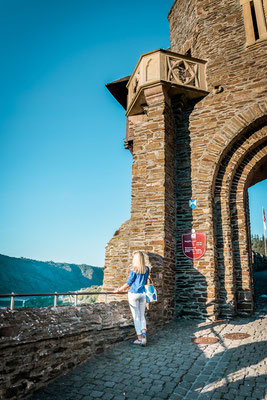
(23, 275)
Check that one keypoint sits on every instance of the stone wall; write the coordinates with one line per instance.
(117, 259)
(211, 150)
(151, 228)
(183, 30)
(38, 345)
(225, 139)
(191, 276)
(259, 262)
(152, 209)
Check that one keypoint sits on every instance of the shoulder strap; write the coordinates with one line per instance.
(149, 277)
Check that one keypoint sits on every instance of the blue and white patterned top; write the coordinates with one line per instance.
(137, 282)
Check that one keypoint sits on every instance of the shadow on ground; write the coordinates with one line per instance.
(172, 367)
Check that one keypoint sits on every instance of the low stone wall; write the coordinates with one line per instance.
(38, 345)
(259, 262)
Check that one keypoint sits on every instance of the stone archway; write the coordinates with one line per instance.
(248, 171)
(237, 169)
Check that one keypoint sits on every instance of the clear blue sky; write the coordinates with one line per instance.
(64, 173)
(65, 176)
(257, 200)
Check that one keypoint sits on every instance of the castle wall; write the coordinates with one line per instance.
(151, 228)
(236, 106)
(196, 149)
(117, 259)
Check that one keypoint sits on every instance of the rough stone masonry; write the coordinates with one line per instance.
(208, 145)
(39, 345)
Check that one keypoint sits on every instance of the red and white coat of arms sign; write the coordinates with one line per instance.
(194, 244)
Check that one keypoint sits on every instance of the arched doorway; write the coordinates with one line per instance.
(242, 164)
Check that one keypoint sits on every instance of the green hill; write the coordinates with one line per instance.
(23, 275)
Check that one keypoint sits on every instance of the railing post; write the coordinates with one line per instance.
(75, 300)
(55, 300)
(12, 300)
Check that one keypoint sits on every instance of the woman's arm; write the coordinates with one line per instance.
(129, 282)
(122, 288)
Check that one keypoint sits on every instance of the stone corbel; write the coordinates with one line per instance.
(156, 94)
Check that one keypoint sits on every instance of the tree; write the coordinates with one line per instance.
(257, 244)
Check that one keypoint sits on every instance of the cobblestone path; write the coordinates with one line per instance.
(172, 367)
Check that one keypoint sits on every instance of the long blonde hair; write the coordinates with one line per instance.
(138, 264)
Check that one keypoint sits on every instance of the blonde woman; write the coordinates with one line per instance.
(136, 295)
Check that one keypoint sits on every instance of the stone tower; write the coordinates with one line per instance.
(196, 127)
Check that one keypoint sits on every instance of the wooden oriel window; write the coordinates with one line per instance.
(254, 12)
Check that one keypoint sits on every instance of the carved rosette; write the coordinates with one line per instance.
(182, 72)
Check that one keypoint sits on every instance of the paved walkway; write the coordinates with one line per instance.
(172, 367)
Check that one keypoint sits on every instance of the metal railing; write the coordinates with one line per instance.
(56, 294)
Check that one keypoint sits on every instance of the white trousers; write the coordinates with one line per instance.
(137, 302)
